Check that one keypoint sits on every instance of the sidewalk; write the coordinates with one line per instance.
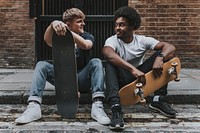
(15, 85)
(14, 89)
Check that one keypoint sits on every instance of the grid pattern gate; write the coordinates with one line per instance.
(99, 20)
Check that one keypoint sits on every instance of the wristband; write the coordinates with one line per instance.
(161, 55)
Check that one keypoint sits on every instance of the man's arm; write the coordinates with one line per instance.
(81, 42)
(115, 59)
(60, 28)
(167, 52)
(48, 35)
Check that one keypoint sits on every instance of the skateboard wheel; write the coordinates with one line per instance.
(143, 101)
(174, 64)
(139, 85)
(177, 79)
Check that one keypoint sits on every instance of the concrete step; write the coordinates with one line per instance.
(15, 86)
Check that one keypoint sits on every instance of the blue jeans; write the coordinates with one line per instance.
(90, 78)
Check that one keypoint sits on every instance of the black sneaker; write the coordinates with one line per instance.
(117, 121)
(163, 108)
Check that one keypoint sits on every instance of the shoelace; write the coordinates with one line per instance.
(117, 114)
(101, 111)
(168, 106)
(27, 109)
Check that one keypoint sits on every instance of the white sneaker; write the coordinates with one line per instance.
(32, 113)
(98, 113)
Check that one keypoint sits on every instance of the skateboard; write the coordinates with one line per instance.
(135, 92)
(65, 74)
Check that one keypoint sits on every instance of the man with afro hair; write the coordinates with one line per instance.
(124, 53)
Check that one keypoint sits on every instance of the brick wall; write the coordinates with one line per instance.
(16, 34)
(173, 21)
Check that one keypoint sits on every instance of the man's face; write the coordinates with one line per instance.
(122, 29)
(77, 25)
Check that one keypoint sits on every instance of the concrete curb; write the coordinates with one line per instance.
(15, 85)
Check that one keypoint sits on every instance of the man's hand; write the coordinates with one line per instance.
(140, 76)
(158, 67)
(59, 27)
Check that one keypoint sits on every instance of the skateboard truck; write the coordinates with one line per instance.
(139, 92)
(173, 70)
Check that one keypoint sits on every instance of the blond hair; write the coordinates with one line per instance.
(71, 14)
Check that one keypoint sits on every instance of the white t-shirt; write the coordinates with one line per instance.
(132, 52)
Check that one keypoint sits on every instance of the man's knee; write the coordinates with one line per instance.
(96, 62)
(41, 65)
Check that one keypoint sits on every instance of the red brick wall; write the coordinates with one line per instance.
(173, 21)
(16, 34)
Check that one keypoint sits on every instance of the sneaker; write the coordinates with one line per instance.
(117, 121)
(98, 113)
(163, 108)
(32, 113)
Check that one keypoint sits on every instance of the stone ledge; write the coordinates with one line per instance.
(20, 97)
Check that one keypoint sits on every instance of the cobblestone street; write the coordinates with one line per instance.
(137, 118)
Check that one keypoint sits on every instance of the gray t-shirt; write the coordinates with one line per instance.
(132, 52)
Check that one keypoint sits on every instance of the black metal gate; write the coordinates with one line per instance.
(99, 20)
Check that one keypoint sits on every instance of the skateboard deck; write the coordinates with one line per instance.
(65, 74)
(135, 92)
